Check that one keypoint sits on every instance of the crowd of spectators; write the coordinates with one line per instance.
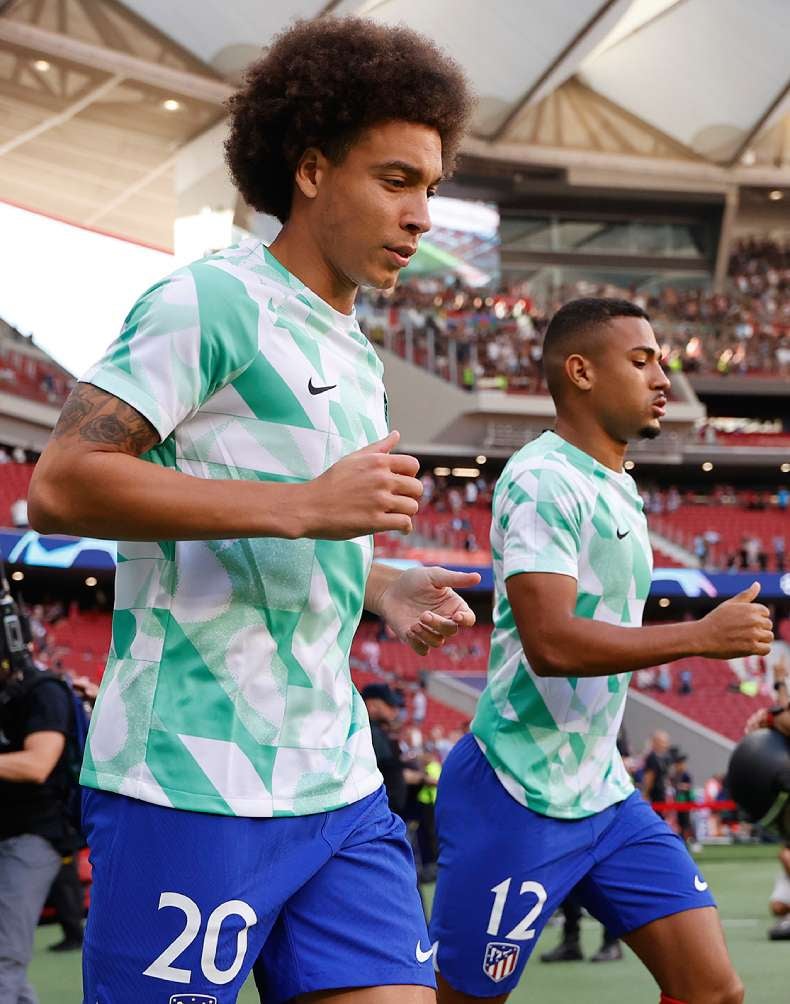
(15, 455)
(479, 337)
(455, 514)
(713, 549)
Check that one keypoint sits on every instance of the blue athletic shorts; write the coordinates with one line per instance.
(503, 871)
(185, 904)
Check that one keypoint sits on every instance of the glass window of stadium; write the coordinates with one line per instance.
(579, 235)
(547, 282)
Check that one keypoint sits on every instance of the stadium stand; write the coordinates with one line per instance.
(480, 339)
(446, 525)
(750, 439)
(732, 536)
(14, 485)
(437, 716)
(27, 372)
(80, 642)
(448, 528)
(398, 661)
(714, 699)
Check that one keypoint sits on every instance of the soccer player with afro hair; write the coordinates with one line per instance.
(235, 441)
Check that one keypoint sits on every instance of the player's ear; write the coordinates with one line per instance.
(309, 172)
(579, 371)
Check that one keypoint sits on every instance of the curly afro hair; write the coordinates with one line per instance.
(324, 82)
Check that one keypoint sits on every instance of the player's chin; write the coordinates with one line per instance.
(650, 430)
(379, 278)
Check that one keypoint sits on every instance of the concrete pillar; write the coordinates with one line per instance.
(210, 213)
(731, 201)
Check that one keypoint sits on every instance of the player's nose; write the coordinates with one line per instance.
(417, 220)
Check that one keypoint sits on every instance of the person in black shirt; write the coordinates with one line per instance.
(654, 779)
(682, 783)
(382, 704)
(35, 719)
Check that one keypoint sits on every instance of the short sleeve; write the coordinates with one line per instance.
(49, 709)
(183, 340)
(540, 517)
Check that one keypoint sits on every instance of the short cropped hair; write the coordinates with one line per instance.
(575, 328)
(321, 84)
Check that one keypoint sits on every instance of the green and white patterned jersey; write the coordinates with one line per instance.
(227, 688)
(552, 741)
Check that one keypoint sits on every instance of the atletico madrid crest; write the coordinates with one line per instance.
(500, 960)
(188, 998)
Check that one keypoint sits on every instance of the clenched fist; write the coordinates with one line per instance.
(737, 627)
(366, 492)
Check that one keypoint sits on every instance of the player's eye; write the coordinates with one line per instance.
(396, 182)
(640, 363)
(431, 192)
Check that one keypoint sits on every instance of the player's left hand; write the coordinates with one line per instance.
(423, 609)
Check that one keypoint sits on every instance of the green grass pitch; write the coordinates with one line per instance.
(741, 878)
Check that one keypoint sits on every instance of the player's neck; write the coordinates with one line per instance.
(592, 440)
(295, 249)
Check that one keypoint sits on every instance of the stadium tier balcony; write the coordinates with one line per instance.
(750, 439)
(26, 375)
(477, 338)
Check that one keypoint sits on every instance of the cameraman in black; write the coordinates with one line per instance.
(35, 720)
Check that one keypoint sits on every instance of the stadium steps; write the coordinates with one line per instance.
(731, 522)
(437, 713)
(711, 702)
(667, 554)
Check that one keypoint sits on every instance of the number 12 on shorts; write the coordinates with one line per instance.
(523, 931)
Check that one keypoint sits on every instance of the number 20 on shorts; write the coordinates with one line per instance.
(162, 967)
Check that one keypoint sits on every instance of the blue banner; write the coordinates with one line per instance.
(26, 547)
(669, 582)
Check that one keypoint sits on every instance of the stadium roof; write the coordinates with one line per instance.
(97, 97)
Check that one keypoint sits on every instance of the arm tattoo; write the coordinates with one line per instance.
(94, 416)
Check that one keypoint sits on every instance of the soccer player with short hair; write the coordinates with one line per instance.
(536, 801)
(235, 438)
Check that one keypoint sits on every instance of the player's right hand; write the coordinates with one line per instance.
(368, 491)
(737, 627)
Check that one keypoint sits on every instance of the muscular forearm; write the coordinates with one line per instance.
(581, 647)
(24, 766)
(116, 496)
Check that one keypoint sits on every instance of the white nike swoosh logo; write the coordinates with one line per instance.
(699, 884)
(424, 956)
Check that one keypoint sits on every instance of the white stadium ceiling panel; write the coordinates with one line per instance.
(512, 50)
(226, 35)
(516, 49)
(704, 73)
(98, 97)
(638, 14)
